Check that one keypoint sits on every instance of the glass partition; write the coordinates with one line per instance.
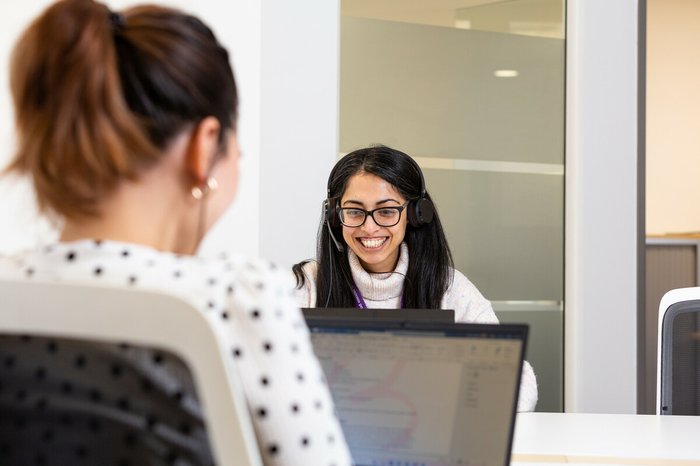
(474, 90)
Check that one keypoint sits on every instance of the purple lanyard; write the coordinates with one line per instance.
(360, 301)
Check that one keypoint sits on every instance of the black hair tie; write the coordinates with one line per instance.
(117, 20)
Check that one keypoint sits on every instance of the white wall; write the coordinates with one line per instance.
(601, 207)
(20, 225)
(673, 122)
(299, 105)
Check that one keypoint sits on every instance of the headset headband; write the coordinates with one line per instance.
(423, 190)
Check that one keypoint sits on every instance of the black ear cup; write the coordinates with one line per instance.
(331, 212)
(420, 212)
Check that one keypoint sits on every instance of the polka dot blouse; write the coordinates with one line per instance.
(287, 397)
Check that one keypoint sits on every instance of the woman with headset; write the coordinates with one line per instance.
(381, 245)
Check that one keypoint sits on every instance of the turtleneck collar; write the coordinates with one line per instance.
(379, 286)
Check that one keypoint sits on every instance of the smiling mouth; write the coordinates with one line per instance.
(373, 243)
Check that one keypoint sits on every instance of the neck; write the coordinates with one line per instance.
(141, 213)
(162, 239)
(379, 287)
(385, 267)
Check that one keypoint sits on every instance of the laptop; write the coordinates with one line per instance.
(423, 394)
(404, 315)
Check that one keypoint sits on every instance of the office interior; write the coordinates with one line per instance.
(555, 136)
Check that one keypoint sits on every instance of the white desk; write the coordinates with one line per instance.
(611, 439)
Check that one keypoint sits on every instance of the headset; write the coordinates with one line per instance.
(419, 211)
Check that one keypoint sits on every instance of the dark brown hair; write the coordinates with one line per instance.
(430, 266)
(99, 95)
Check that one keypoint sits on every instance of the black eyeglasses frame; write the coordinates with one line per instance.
(370, 213)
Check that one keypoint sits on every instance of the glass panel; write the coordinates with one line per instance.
(539, 18)
(474, 90)
(505, 231)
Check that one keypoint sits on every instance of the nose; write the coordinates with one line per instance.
(370, 226)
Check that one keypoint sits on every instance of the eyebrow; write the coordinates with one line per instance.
(383, 201)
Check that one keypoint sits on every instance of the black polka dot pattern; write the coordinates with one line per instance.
(251, 303)
(50, 376)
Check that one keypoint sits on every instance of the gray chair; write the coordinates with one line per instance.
(678, 364)
(95, 338)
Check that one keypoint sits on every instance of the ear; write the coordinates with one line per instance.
(202, 149)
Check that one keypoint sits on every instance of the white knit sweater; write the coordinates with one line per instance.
(384, 290)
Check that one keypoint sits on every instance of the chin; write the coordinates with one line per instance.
(375, 264)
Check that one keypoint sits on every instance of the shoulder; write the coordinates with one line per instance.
(9, 265)
(251, 276)
(208, 283)
(240, 295)
(306, 293)
(21, 265)
(305, 274)
(467, 301)
(310, 269)
(246, 268)
(461, 285)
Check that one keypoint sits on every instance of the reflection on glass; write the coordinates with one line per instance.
(538, 18)
(474, 90)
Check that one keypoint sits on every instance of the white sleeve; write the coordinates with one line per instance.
(527, 400)
(469, 304)
(306, 295)
(471, 307)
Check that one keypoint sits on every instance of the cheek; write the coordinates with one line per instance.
(347, 234)
(399, 231)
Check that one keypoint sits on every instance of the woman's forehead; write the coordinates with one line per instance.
(367, 187)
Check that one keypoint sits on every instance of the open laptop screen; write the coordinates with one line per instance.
(423, 394)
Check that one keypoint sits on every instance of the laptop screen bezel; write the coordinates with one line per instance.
(505, 331)
(352, 314)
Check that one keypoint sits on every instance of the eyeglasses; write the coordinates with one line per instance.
(354, 217)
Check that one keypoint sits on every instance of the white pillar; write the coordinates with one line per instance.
(602, 207)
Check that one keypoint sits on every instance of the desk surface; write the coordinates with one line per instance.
(610, 439)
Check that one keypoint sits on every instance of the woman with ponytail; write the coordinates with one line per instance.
(126, 125)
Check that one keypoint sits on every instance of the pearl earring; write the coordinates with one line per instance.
(198, 192)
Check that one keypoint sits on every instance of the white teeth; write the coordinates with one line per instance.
(372, 243)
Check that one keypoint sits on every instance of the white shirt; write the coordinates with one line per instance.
(289, 402)
(384, 290)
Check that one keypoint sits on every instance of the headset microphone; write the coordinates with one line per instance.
(337, 243)
(330, 218)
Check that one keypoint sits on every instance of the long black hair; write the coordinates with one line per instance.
(430, 265)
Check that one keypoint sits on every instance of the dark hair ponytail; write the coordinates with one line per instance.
(430, 262)
(98, 96)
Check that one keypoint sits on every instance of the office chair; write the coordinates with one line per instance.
(95, 327)
(678, 363)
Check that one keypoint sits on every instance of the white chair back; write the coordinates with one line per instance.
(149, 319)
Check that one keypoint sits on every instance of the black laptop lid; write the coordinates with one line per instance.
(423, 394)
(400, 315)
